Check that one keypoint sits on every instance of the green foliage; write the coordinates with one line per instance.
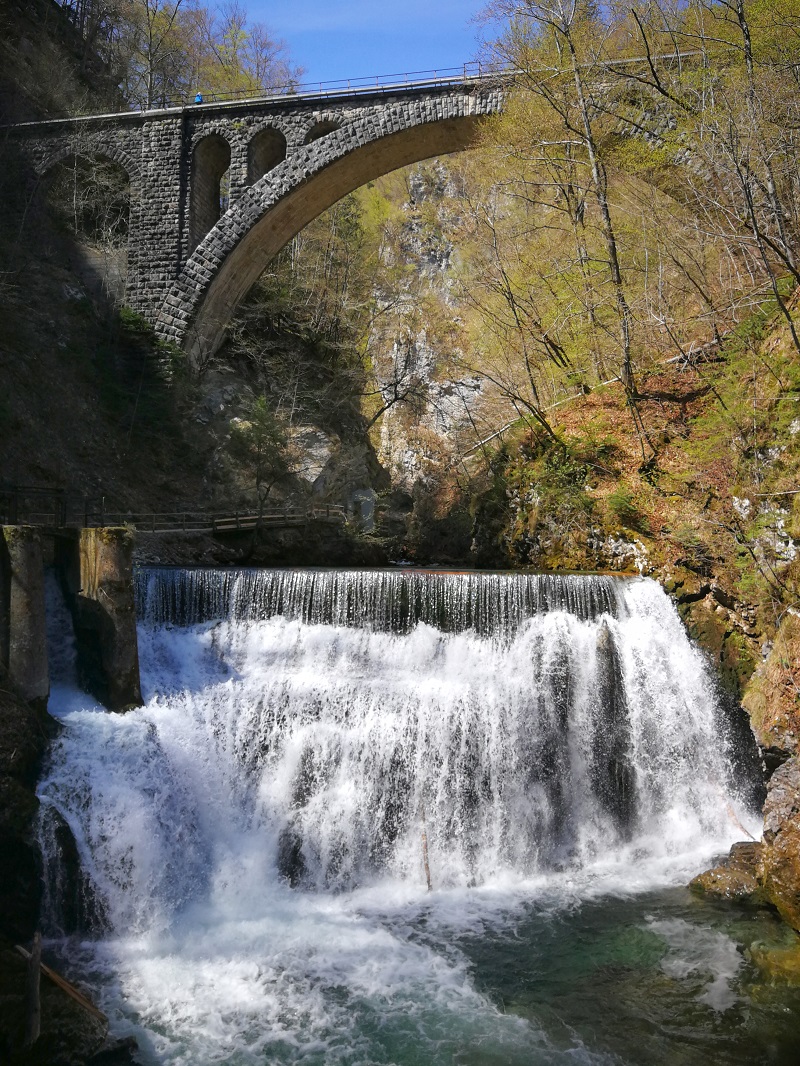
(134, 323)
(748, 579)
(546, 488)
(259, 445)
(755, 392)
(623, 507)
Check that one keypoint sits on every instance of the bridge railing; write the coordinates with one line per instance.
(381, 83)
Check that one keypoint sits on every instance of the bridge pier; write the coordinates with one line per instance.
(96, 571)
(23, 627)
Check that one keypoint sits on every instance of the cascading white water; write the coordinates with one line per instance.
(299, 727)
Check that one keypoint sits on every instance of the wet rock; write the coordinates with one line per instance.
(733, 651)
(612, 769)
(735, 878)
(778, 963)
(779, 864)
(118, 1053)
(291, 863)
(74, 907)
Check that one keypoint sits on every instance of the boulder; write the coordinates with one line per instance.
(735, 878)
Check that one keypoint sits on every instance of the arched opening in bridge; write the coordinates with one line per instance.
(320, 129)
(211, 162)
(266, 150)
(90, 196)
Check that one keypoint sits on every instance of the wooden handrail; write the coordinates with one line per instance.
(32, 507)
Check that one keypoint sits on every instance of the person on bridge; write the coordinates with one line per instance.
(199, 98)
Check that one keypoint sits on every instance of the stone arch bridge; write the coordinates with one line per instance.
(288, 158)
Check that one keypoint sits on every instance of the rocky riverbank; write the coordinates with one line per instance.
(767, 873)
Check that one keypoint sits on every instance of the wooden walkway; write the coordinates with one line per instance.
(62, 511)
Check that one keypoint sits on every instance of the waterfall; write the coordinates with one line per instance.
(391, 600)
(300, 726)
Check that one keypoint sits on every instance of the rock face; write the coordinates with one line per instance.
(779, 864)
(24, 731)
(771, 697)
(767, 873)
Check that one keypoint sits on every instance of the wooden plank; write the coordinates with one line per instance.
(65, 986)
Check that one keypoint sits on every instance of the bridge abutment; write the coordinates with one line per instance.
(23, 623)
(96, 571)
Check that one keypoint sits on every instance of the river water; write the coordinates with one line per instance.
(254, 839)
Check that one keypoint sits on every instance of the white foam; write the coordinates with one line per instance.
(694, 950)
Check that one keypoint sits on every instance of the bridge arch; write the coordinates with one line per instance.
(234, 254)
(94, 188)
(100, 149)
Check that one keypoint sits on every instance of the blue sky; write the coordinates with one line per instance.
(335, 39)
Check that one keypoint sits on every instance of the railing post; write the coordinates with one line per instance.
(33, 1006)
